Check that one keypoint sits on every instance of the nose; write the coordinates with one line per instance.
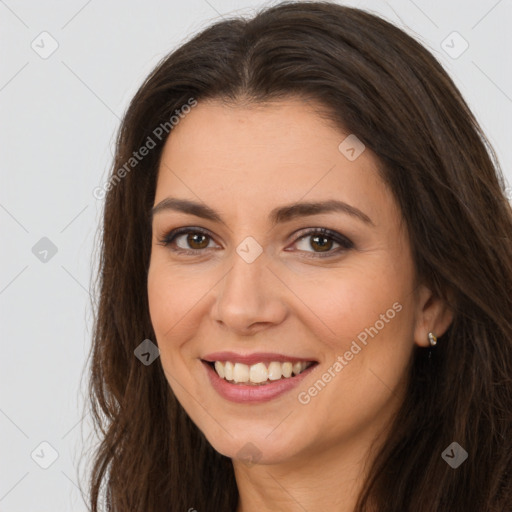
(251, 298)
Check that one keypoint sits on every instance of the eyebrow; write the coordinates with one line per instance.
(277, 215)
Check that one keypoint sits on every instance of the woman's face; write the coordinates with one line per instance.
(259, 281)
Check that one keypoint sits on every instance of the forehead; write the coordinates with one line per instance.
(265, 155)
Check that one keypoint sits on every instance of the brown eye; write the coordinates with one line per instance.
(187, 240)
(322, 243)
(196, 241)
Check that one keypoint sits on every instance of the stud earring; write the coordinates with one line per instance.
(432, 339)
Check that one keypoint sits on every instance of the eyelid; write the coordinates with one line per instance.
(344, 242)
(170, 236)
(328, 233)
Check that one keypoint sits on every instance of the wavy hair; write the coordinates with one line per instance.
(375, 81)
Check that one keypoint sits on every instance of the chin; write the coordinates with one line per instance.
(254, 448)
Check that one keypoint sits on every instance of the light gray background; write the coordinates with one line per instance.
(58, 119)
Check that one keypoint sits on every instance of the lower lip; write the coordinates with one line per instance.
(254, 394)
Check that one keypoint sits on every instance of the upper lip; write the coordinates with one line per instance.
(256, 357)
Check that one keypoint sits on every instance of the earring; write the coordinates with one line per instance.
(432, 339)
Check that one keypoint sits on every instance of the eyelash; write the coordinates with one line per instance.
(343, 241)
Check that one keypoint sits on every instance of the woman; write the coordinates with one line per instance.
(307, 221)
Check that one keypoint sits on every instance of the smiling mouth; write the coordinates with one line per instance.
(258, 374)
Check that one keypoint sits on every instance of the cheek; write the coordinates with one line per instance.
(364, 319)
(171, 297)
(180, 299)
(173, 292)
(173, 302)
(345, 301)
(162, 299)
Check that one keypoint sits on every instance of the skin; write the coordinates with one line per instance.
(243, 161)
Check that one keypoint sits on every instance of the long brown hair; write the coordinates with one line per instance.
(375, 81)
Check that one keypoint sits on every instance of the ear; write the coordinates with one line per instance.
(432, 315)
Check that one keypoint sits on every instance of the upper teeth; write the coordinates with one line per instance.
(258, 373)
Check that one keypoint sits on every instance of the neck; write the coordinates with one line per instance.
(327, 478)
